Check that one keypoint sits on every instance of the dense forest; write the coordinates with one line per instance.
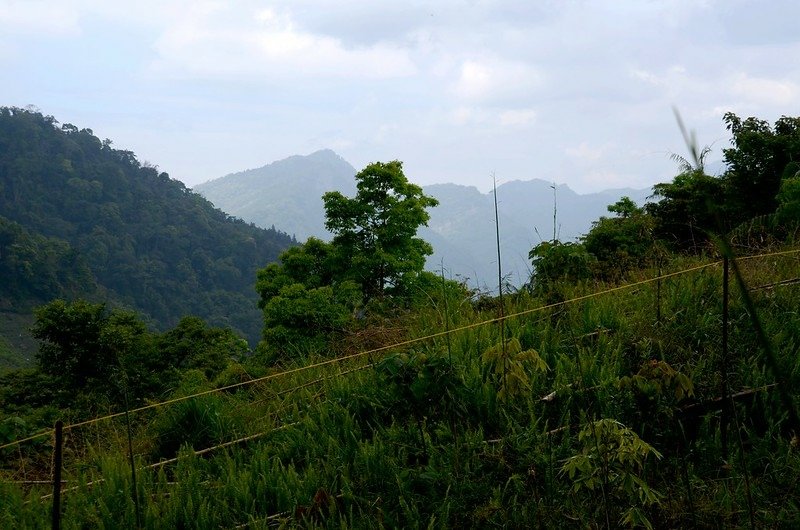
(81, 218)
(646, 376)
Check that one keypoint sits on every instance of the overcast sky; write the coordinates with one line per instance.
(576, 92)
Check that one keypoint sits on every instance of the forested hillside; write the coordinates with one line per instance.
(79, 217)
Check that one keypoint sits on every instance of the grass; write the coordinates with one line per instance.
(423, 440)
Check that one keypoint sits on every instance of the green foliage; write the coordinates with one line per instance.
(422, 426)
(658, 378)
(556, 261)
(194, 345)
(37, 268)
(621, 243)
(788, 212)
(688, 210)
(299, 320)
(429, 288)
(310, 264)
(305, 305)
(695, 206)
(422, 385)
(375, 232)
(611, 459)
(757, 163)
(72, 349)
(91, 356)
(199, 422)
(94, 213)
(510, 365)
(8, 358)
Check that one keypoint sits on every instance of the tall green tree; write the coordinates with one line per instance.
(304, 300)
(690, 208)
(621, 242)
(375, 231)
(71, 348)
(554, 261)
(761, 157)
(194, 345)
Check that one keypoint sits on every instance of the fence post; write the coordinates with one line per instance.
(57, 465)
(725, 416)
(130, 454)
(658, 296)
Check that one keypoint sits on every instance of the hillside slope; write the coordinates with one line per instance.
(286, 193)
(133, 236)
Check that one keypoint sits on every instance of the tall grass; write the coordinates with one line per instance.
(418, 437)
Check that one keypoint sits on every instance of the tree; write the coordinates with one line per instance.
(554, 261)
(70, 340)
(304, 301)
(758, 161)
(194, 345)
(375, 232)
(310, 264)
(690, 207)
(300, 320)
(788, 212)
(620, 242)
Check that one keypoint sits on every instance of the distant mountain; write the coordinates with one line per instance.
(80, 218)
(287, 194)
(463, 224)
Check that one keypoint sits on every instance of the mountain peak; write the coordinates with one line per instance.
(278, 193)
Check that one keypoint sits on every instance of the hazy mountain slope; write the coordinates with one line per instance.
(286, 194)
(118, 231)
(465, 220)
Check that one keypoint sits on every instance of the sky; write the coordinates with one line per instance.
(576, 92)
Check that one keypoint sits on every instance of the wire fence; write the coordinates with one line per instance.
(336, 360)
(318, 375)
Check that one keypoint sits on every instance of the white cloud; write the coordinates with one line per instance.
(467, 115)
(42, 18)
(765, 91)
(518, 117)
(492, 117)
(585, 152)
(529, 88)
(492, 80)
(268, 43)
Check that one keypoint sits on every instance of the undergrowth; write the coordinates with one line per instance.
(596, 413)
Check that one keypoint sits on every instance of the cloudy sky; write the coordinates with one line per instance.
(579, 92)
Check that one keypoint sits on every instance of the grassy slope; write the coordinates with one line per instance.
(423, 441)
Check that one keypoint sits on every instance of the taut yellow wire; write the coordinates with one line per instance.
(392, 346)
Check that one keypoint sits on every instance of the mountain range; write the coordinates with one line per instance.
(287, 194)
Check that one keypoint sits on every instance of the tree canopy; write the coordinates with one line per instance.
(313, 294)
(761, 157)
(375, 232)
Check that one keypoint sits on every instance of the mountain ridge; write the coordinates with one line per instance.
(461, 229)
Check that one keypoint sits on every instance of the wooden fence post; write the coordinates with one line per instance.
(725, 416)
(57, 465)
